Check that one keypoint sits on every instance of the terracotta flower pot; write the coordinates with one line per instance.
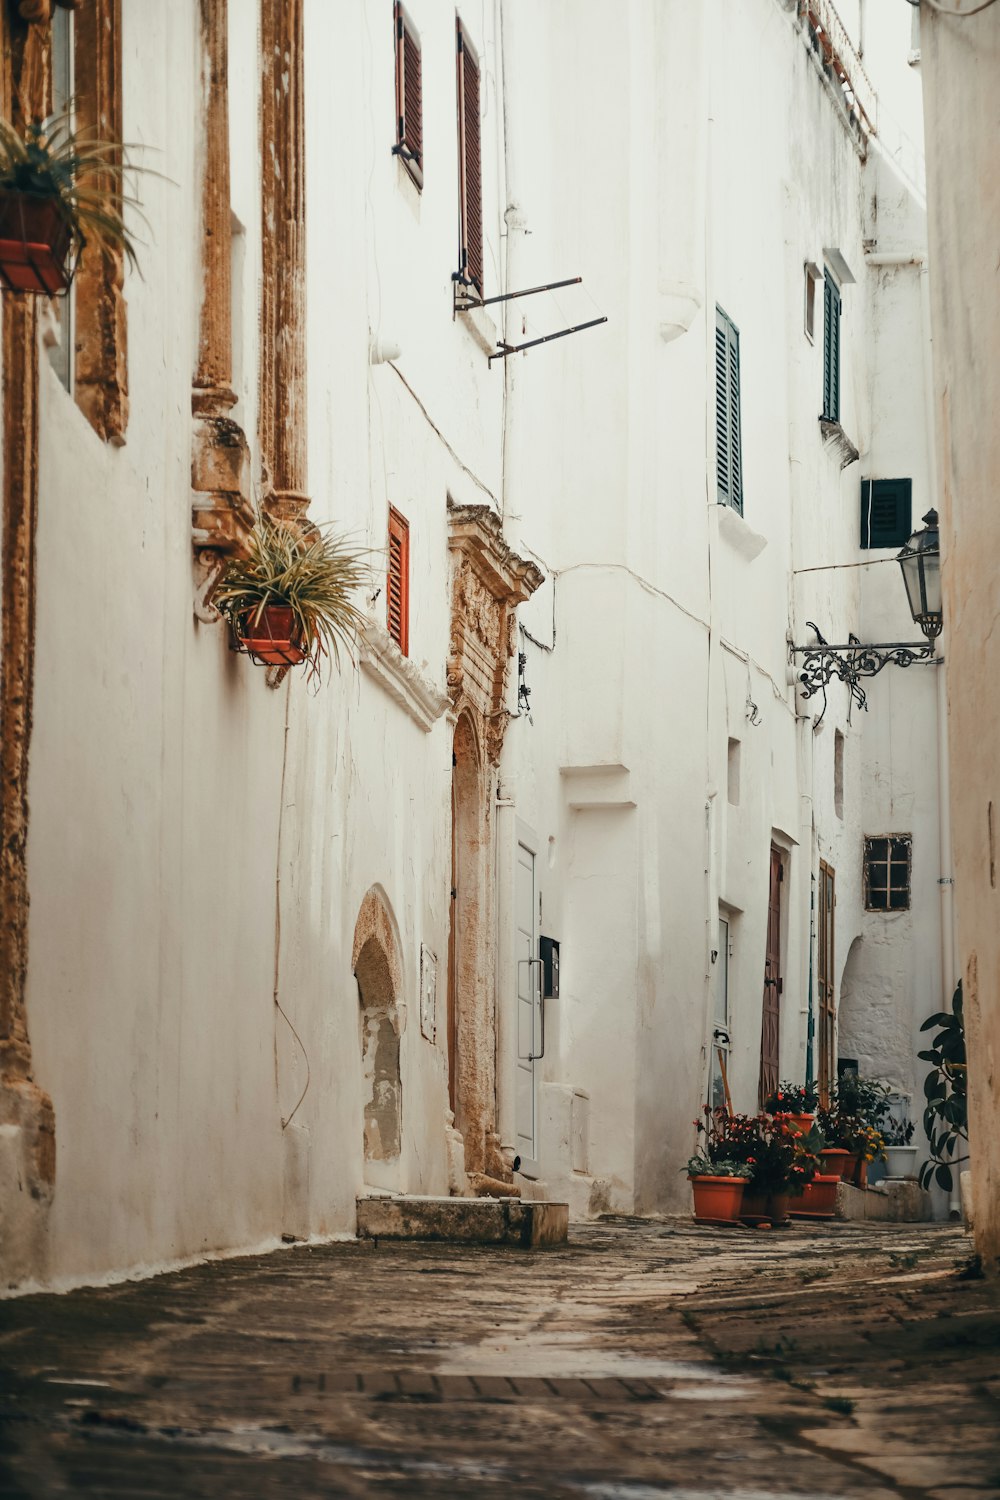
(274, 639)
(819, 1197)
(801, 1124)
(835, 1159)
(860, 1172)
(35, 244)
(777, 1208)
(717, 1197)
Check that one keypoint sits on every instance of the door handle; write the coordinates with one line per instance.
(534, 963)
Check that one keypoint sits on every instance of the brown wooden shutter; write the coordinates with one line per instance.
(409, 97)
(470, 172)
(398, 581)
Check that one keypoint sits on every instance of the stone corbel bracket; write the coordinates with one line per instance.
(488, 581)
(221, 513)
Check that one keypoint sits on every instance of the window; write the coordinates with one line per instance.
(886, 511)
(470, 176)
(824, 977)
(887, 872)
(59, 341)
(398, 581)
(728, 455)
(812, 276)
(409, 145)
(831, 349)
(719, 1066)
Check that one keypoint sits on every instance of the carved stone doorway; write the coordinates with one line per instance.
(378, 970)
(488, 581)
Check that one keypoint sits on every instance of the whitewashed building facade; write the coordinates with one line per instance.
(284, 945)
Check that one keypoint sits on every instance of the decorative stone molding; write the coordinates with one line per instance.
(282, 418)
(488, 581)
(221, 513)
(402, 679)
(27, 1121)
(100, 380)
(836, 439)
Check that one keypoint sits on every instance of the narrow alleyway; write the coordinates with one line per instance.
(643, 1359)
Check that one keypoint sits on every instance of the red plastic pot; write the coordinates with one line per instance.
(836, 1159)
(274, 638)
(717, 1197)
(35, 244)
(819, 1197)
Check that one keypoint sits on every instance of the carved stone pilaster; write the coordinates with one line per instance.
(221, 512)
(282, 421)
(488, 581)
(100, 381)
(27, 1145)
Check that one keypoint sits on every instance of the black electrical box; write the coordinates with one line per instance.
(548, 952)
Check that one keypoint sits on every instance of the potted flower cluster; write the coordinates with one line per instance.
(798, 1102)
(851, 1124)
(764, 1158)
(289, 599)
(59, 189)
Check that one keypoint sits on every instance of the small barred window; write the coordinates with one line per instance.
(887, 872)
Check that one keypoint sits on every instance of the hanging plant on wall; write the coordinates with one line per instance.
(60, 189)
(289, 599)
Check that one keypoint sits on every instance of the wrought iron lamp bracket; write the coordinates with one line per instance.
(818, 665)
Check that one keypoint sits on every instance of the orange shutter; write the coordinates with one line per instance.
(398, 581)
(470, 175)
(409, 97)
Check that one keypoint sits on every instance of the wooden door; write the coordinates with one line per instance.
(824, 971)
(770, 1034)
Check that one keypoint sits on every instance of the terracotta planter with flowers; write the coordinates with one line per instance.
(835, 1159)
(819, 1197)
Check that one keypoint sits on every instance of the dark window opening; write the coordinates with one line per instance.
(398, 581)
(887, 872)
(886, 512)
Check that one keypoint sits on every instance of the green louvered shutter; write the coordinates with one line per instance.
(886, 512)
(831, 349)
(728, 450)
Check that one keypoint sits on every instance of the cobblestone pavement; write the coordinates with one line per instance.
(642, 1360)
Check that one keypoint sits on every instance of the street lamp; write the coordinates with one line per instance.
(920, 563)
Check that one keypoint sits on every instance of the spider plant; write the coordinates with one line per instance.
(81, 175)
(314, 576)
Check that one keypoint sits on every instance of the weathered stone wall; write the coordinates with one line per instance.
(960, 63)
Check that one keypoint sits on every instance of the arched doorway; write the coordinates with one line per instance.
(378, 970)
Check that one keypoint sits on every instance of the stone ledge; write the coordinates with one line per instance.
(401, 678)
(470, 1221)
(891, 1203)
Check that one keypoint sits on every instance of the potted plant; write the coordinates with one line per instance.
(59, 189)
(798, 1102)
(900, 1156)
(851, 1124)
(779, 1168)
(717, 1187)
(289, 600)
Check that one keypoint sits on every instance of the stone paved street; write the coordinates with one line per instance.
(643, 1359)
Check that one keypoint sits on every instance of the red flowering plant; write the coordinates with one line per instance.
(783, 1164)
(728, 1138)
(793, 1099)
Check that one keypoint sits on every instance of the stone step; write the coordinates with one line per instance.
(893, 1202)
(470, 1221)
